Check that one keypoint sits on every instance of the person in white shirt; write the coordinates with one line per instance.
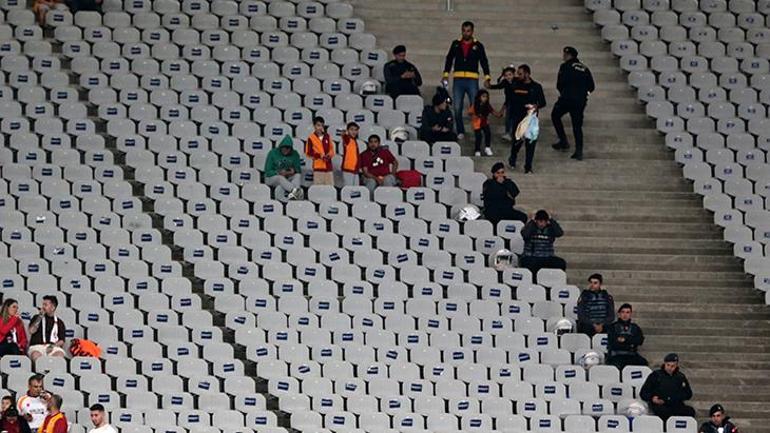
(33, 405)
(99, 418)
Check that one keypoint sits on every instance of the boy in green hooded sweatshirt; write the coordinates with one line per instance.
(283, 172)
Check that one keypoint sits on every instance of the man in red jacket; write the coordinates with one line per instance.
(55, 421)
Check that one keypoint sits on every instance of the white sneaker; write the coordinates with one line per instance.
(477, 153)
(296, 194)
(488, 151)
(461, 136)
(507, 137)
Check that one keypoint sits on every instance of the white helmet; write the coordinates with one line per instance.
(503, 259)
(635, 408)
(562, 326)
(399, 134)
(589, 359)
(468, 212)
(369, 87)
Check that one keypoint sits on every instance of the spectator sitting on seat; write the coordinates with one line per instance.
(13, 337)
(55, 421)
(99, 418)
(623, 340)
(33, 405)
(401, 77)
(47, 331)
(320, 148)
(283, 172)
(539, 235)
(595, 308)
(350, 167)
(499, 194)
(41, 8)
(13, 423)
(378, 165)
(437, 121)
(666, 390)
(6, 403)
(719, 422)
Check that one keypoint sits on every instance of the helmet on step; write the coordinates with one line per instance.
(399, 134)
(562, 326)
(635, 408)
(369, 87)
(503, 259)
(468, 212)
(589, 359)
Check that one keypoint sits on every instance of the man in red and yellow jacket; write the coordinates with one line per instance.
(320, 148)
(55, 421)
(350, 166)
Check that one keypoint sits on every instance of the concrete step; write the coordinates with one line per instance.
(649, 262)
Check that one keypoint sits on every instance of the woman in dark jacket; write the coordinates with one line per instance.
(499, 194)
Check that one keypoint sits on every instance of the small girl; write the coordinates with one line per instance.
(479, 112)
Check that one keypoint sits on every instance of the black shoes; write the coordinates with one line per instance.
(562, 147)
(577, 156)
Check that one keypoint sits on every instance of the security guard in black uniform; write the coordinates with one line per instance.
(574, 84)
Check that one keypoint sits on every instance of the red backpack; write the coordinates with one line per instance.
(409, 178)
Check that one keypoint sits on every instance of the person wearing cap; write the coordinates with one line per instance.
(595, 308)
(378, 165)
(401, 77)
(574, 83)
(623, 340)
(499, 195)
(437, 121)
(718, 422)
(465, 55)
(283, 171)
(666, 389)
(539, 235)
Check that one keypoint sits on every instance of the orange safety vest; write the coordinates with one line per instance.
(314, 148)
(349, 154)
(50, 423)
(477, 122)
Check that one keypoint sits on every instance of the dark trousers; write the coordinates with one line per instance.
(665, 411)
(575, 110)
(529, 152)
(485, 133)
(7, 348)
(434, 136)
(586, 328)
(495, 215)
(535, 264)
(621, 361)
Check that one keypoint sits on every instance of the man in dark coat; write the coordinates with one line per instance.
(666, 390)
(623, 340)
(574, 83)
(401, 77)
(719, 422)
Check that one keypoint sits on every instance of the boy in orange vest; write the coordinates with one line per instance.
(320, 148)
(350, 169)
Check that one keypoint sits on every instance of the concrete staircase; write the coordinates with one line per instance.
(626, 209)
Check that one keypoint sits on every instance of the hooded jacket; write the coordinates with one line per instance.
(277, 161)
(709, 427)
(674, 389)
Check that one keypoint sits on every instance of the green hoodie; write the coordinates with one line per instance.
(277, 161)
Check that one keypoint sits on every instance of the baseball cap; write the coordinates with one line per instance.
(571, 51)
(716, 408)
(671, 357)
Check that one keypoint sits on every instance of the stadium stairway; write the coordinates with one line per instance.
(627, 211)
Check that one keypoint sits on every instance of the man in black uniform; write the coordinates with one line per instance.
(437, 121)
(595, 308)
(465, 56)
(623, 340)
(666, 390)
(401, 77)
(574, 84)
(719, 423)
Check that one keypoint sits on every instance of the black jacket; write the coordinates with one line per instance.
(430, 119)
(395, 85)
(519, 94)
(709, 427)
(466, 67)
(632, 334)
(499, 195)
(575, 81)
(674, 389)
